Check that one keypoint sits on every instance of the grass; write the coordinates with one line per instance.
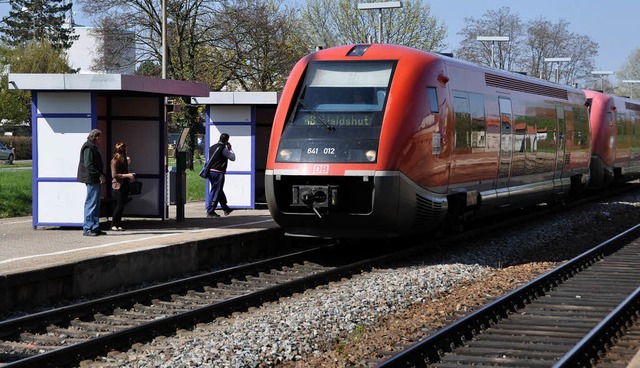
(195, 185)
(16, 196)
(5, 165)
(15, 193)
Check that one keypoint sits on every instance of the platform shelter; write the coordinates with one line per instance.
(126, 108)
(247, 117)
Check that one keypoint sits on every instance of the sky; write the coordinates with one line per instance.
(613, 24)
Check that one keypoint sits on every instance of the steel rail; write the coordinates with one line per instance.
(447, 339)
(115, 340)
(594, 343)
(28, 322)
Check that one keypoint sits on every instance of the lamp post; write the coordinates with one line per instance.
(164, 39)
(380, 6)
(493, 40)
(557, 60)
(632, 81)
(602, 73)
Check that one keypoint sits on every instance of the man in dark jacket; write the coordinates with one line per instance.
(91, 172)
(219, 155)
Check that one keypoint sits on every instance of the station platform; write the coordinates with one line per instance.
(51, 262)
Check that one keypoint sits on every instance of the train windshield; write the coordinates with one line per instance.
(337, 116)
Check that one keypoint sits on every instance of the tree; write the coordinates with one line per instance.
(15, 105)
(38, 21)
(506, 55)
(149, 69)
(549, 40)
(630, 71)
(262, 41)
(333, 22)
(528, 46)
(188, 28)
(115, 52)
(229, 44)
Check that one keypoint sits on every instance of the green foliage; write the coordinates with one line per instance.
(21, 144)
(149, 69)
(15, 105)
(335, 22)
(358, 333)
(15, 193)
(630, 72)
(34, 57)
(39, 57)
(16, 196)
(38, 21)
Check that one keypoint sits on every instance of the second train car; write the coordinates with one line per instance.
(615, 134)
(384, 140)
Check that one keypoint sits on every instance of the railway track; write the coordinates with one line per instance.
(67, 335)
(569, 317)
(83, 331)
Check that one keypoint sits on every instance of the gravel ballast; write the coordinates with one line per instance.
(346, 323)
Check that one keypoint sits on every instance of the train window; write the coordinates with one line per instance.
(433, 99)
(462, 119)
(470, 121)
(623, 137)
(478, 120)
(580, 127)
(338, 114)
(345, 87)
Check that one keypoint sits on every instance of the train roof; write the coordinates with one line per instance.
(399, 52)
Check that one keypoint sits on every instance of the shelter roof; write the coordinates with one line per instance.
(106, 82)
(238, 98)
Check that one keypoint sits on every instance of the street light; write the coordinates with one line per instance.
(632, 81)
(380, 6)
(602, 73)
(164, 39)
(493, 40)
(557, 60)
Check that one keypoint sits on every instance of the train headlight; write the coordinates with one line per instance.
(371, 155)
(288, 154)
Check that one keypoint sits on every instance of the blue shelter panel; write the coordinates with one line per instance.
(239, 122)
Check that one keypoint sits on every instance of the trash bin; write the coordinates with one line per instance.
(172, 187)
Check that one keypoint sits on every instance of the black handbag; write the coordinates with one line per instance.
(204, 173)
(135, 187)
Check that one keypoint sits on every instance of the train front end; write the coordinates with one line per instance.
(329, 171)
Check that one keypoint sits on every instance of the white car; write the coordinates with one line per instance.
(6, 154)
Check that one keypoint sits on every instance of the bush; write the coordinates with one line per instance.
(21, 144)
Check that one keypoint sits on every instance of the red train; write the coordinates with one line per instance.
(384, 140)
(615, 131)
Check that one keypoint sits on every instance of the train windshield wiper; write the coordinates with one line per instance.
(330, 128)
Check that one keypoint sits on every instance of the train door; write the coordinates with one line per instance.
(506, 152)
(561, 139)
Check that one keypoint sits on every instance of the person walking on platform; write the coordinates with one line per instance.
(120, 177)
(90, 172)
(219, 155)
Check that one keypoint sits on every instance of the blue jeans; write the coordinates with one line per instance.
(92, 208)
(216, 195)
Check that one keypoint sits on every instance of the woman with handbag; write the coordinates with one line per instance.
(120, 178)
